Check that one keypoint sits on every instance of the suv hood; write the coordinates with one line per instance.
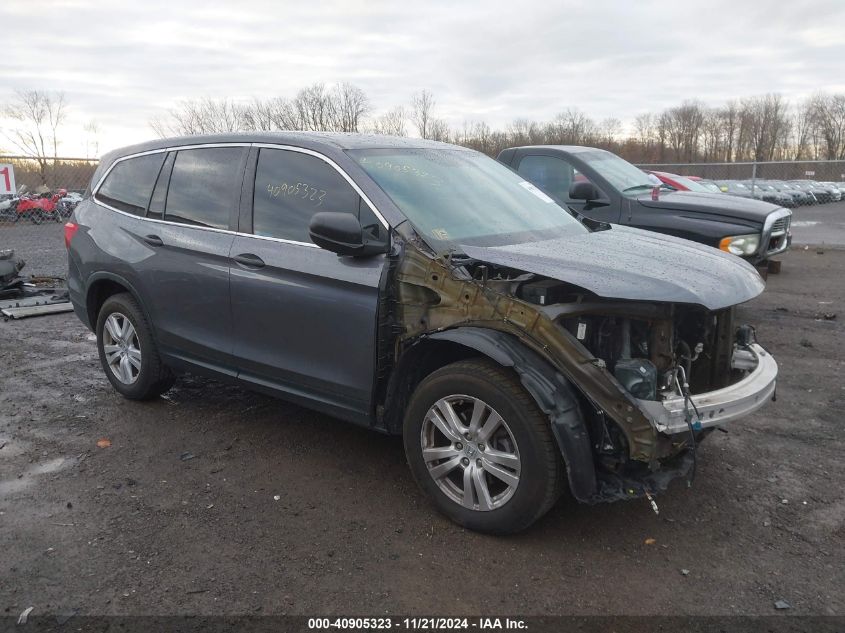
(715, 203)
(626, 263)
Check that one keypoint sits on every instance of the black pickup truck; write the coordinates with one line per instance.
(603, 187)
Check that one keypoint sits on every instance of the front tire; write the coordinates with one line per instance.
(480, 448)
(128, 353)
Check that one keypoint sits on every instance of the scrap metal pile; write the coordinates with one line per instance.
(36, 296)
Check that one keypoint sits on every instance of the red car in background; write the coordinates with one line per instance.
(680, 183)
(37, 208)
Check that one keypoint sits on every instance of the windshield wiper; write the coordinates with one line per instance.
(638, 187)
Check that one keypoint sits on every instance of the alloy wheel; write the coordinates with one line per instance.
(121, 348)
(470, 452)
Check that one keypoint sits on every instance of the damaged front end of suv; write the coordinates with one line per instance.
(634, 354)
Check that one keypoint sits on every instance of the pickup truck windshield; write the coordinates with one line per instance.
(692, 185)
(618, 172)
(464, 197)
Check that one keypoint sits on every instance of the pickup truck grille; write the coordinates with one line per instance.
(780, 226)
(778, 238)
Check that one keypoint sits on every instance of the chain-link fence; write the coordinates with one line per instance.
(36, 198)
(787, 183)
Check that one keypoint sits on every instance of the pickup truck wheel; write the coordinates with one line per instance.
(128, 352)
(481, 449)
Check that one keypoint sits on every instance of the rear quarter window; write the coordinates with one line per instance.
(129, 185)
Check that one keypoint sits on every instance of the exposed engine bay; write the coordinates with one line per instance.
(637, 366)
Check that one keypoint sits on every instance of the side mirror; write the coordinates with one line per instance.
(341, 233)
(584, 191)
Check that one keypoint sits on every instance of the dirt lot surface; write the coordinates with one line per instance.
(215, 500)
(823, 224)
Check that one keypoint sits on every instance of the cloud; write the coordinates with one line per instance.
(495, 60)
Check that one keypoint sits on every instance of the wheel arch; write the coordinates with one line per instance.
(547, 386)
(103, 285)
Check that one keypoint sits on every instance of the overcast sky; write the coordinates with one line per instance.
(123, 63)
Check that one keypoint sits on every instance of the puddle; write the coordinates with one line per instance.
(10, 486)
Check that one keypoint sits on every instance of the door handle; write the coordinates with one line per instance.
(153, 240)
(248, 259)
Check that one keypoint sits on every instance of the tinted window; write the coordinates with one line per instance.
(552, 175)
(205, 186)
(156, 209)
(130, 183)
(290, 187)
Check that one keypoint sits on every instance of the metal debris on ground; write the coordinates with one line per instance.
(782, 604)
(652, 502)
(23, 616)
(10, 268)
(21, 298)
(186, 456)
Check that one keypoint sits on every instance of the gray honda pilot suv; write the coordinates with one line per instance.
(420, 289)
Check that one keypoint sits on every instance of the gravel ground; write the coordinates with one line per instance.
(215, 500)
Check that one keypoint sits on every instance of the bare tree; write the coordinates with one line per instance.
(203, 116)
(761, 128)
(802, 130)
(521, 131)
(391, 122)
(610, 129)
(712, 134)
(422, 106)
(730, 122)
(684, 128)
(645, 132)
(37, 117)
(829, 116)
(349, 105)
(572, 127)
(439, 130)
(765, 125)
(92, 138)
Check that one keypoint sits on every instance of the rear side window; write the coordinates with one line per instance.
(129, 185)
(205, 186)
(553, 175)
(290, 187)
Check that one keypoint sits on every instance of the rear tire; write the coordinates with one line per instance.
(128, 352)
(497, 475)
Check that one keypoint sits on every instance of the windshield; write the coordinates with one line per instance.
(691, 185)
(465, 197)
(618, 172)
